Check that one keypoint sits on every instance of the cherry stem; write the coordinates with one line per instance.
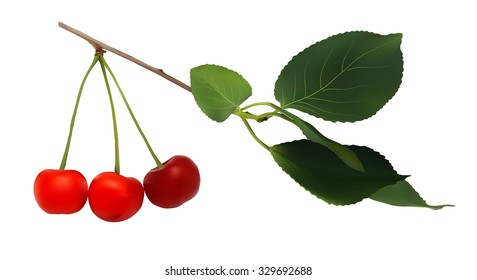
(156, 159)
(98, 45)
(73, 118)
(113, 112)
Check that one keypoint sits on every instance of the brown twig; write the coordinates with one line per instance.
(99, 46)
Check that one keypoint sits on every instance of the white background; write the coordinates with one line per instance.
(248, 213)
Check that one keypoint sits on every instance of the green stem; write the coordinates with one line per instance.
(73, 118)
(279, 112)
(156, 159)
(250, 130)
(262, 117)
(259, 118)
(113, 112)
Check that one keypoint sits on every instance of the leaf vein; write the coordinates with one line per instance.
(346, 55)
(323, 68)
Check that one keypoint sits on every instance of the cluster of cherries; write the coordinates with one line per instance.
(111, 196)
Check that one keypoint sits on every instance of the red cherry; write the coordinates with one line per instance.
(114, 198)
(60, 191)
(175, 183)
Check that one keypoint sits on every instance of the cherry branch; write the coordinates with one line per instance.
(100, 46)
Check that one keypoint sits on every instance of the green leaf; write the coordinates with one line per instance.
(318, 170)
(218, 91)
(402, 194)
(346, 77)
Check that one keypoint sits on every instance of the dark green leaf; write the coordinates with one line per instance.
(402, 194)
(342, 151)
(218, 91)
(347, 77)
(322, 173)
